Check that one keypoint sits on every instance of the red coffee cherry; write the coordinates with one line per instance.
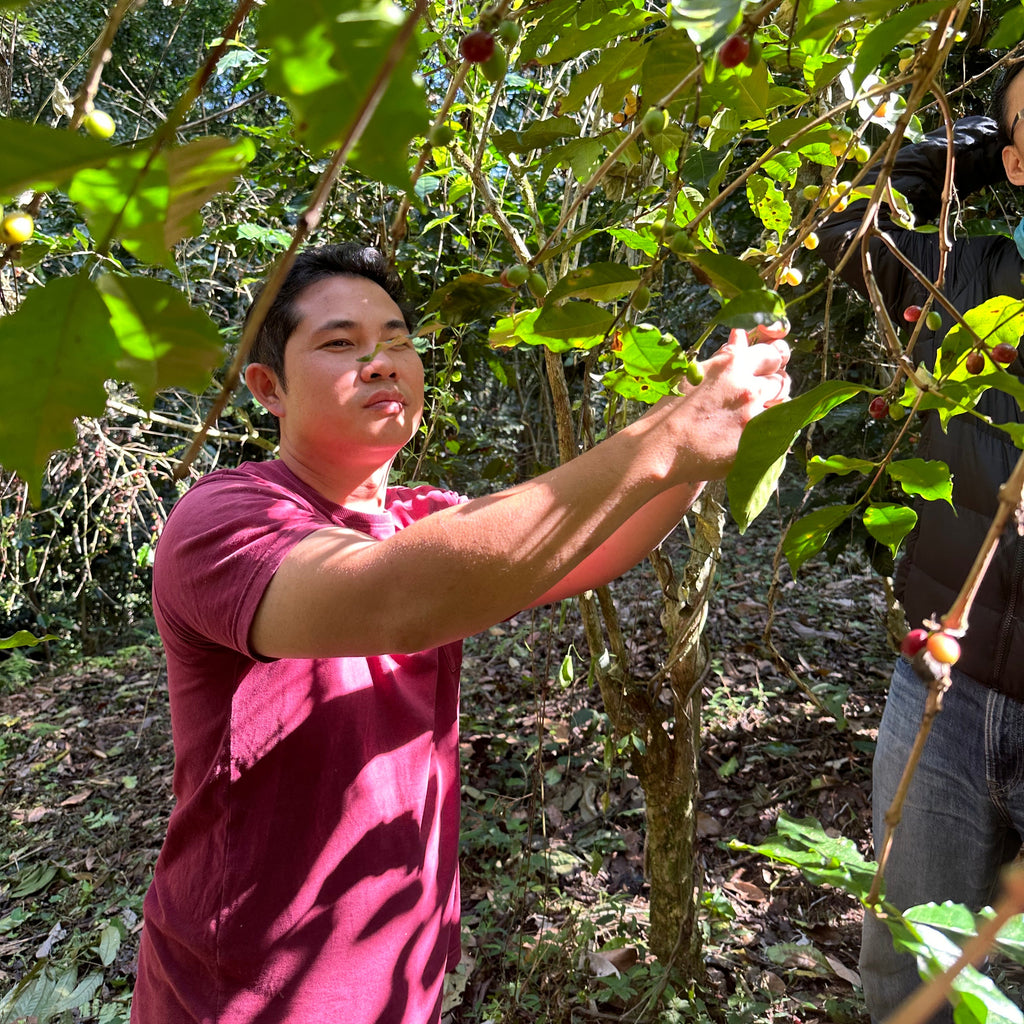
(477, 47)
(914, 641)
(975, 362)
(1004, 354)
(733, 51)
(878, 409)
(912, 314)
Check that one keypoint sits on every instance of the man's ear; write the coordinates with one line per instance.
(1014, 165)
(265, 386)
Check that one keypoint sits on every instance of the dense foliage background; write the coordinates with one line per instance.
(578, 217)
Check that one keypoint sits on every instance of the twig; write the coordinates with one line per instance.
(920, 1006)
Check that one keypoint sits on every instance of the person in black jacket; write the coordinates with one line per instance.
(964, 815)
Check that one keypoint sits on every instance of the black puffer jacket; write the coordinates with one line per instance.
(941, 549)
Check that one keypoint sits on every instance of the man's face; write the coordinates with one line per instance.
(354, 379)
(1013, 154)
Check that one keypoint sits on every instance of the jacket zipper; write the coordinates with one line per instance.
(1006, 627)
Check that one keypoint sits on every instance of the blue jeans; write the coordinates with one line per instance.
(962, 820)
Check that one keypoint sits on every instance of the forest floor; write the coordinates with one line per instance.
(554, 895)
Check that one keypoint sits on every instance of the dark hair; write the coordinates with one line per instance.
(349, 259)
(997, 105)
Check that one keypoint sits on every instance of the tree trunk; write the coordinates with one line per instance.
(664, 714)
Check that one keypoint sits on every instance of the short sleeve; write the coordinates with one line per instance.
(222, 544)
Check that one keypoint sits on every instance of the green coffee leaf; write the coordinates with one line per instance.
(821, 858)
(765, 442)
(929, 478)
(807, 536)
(165, 341)
(39, 157)
(889, 524)
(818, 467)
(23, 638)
(62, 341)
(600, 282)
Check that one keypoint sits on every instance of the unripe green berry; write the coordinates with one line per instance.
(440, 135)
(933, 321)
(495, 67)
(641, 297)
(508, 32)
(537, 284)
(99, 124)
(654, 123)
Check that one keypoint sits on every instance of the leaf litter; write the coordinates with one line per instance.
(554, 887)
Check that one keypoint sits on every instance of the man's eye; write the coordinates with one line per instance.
(339, 343)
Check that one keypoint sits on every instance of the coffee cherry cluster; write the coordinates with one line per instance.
(931, 652)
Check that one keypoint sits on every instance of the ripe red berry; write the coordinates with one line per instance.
(975, 362)
(733, 51)
(1004, 354)
(878, 409)
(914, 641)
(943, 648)
(912, 314)
(477, 47)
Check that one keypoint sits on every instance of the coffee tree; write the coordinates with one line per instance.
(590, 189)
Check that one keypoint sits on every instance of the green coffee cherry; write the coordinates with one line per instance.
(537, 285)
(694, 372)
(641, 298)
(495, 67)
(654, 123)
(440, 135)
(508, 32)
(933, 321)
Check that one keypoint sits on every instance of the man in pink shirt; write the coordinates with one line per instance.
(313, 619)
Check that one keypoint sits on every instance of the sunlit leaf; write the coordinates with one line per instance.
(704, 20)
(61, 340)
(822, 859)
(770, 203)
(165, 341)
(765, 441)
(818, 467)
(126, 200)
(929, 478)
(880, 40)
(889, 524)
(324, 61)
(978, 996)
(601, 282)
(197, 172)
(648, 353)
(23, 638)
(35, 156)
(521, 329)
(807, 536)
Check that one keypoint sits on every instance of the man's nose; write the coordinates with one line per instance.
(380, 364)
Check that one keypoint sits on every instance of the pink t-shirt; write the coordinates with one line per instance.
(310, 871)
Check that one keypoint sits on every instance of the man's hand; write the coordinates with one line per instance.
(740, 381)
